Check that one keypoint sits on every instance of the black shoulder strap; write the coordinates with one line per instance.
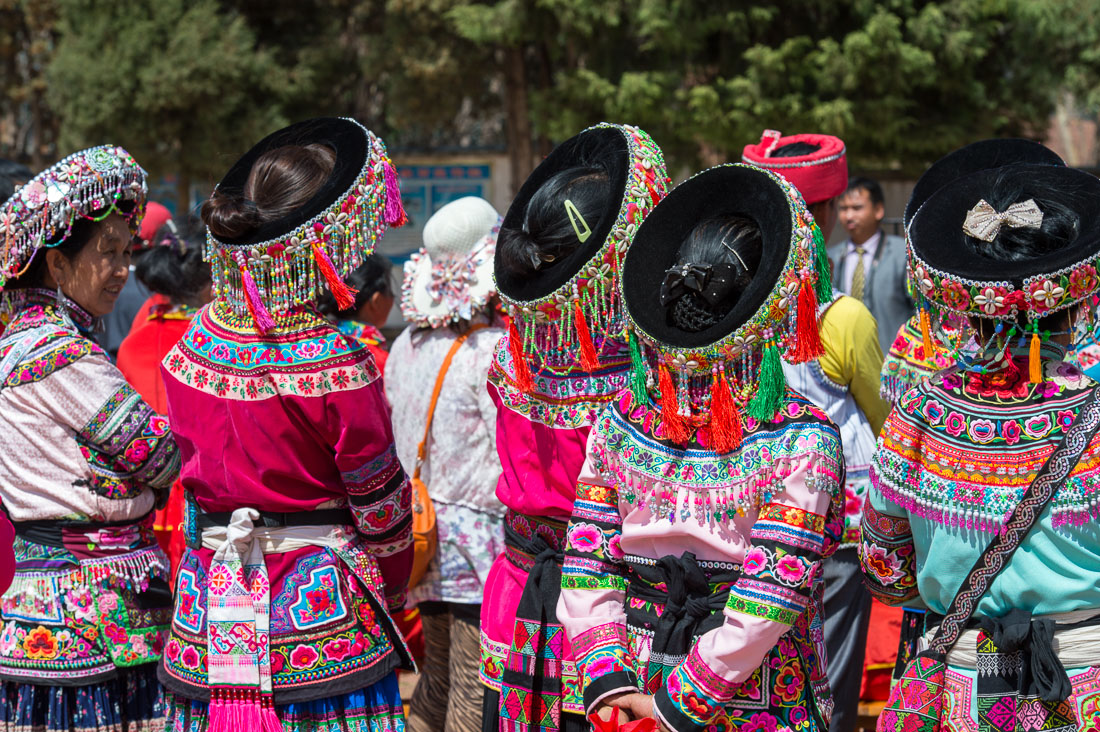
(1049, 479)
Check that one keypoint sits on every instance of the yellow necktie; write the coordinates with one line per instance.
(860, 275)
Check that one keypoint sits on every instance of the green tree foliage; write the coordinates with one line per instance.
(187, 85)
(901, 81)
(179, 83)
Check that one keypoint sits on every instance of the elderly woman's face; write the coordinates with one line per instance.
(95, 276)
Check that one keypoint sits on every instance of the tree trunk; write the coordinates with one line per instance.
(517, 116)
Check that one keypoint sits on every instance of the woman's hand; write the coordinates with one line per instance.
(638, 706)
(609, 709)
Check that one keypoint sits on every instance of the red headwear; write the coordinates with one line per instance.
(156, 216)
(819, 176)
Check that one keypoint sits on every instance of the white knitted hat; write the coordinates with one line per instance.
(451, 277)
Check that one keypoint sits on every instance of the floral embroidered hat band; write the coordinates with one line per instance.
(286, 262)
(717, 377)
(87, 185)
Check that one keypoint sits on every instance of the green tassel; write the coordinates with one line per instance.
(821, 264)
(772, 387)
(637, 370)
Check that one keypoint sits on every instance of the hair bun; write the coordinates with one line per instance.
(230, 217)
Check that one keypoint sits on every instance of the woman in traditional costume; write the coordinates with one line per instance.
(557, 266)
(297, 510)
(997, 453)
(909, 362)
(174, 271)
(84, 462)
(449, 297)
(710, 494)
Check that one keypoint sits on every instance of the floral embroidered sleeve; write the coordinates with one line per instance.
(594, 588)
(780, 569)
(379, 492)
(128, 446)
(887, 553)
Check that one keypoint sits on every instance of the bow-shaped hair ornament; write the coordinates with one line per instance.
(712, 281)
(984, 222)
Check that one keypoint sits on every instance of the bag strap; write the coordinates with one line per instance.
(994, 558)
(422, 448)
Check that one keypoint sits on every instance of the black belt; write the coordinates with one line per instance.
(693, 600)
(48, 532)
(277, 519)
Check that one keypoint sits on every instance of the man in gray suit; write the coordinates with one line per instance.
(870, 266)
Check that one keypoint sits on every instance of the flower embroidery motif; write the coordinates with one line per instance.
(585, 537)
(1047, 294)
(990, 300)
(884, 564)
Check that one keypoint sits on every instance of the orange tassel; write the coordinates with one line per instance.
(584, 338)
(726, 430)
(807, 334)
(926, 332)
(524, 381)
(345, 296)
(676, 427)
(1035, 367)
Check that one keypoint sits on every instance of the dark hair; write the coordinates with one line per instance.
(82, 231)
(795, 150)
(373, 275)
(173, 267)
(1059, 229)
(280, 181)
(714, 242)
(548, 235)
(12, 174)
(874, 190)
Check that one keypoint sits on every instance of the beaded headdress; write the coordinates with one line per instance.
(554, 318)
(715, 383)
(451, 277)
(90, 184)
(954, 280)
(287, 262)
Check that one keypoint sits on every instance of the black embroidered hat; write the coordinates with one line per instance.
(739, 357)
(286, 262)
(952, 276)
(560, 314)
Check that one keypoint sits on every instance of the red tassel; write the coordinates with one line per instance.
(676, 427)
(260, 315)
(584, 337)
(524, 381)
(807, 334)
(395, 210)
(726, 431)
(345, 296)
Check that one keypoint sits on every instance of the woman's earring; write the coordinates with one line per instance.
(63, 307)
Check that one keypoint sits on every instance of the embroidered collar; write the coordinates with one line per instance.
(31, 305)
(365, 333)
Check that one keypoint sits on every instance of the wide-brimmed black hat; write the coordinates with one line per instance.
(727, 189)
(953, 276)
(351, 143)
(606, 147)
(286, 262)
(977, 156)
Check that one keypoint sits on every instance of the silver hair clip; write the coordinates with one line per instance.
(734, 253)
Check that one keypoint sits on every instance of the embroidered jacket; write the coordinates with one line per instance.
(953, 461)
(541, 438)
(290, 422)
(771, 511)
(79, 446)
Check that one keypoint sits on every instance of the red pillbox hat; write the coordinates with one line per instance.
(819, 176)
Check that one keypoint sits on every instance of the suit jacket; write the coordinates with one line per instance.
(885, 293)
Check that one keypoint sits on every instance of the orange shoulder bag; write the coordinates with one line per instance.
(425, 533)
